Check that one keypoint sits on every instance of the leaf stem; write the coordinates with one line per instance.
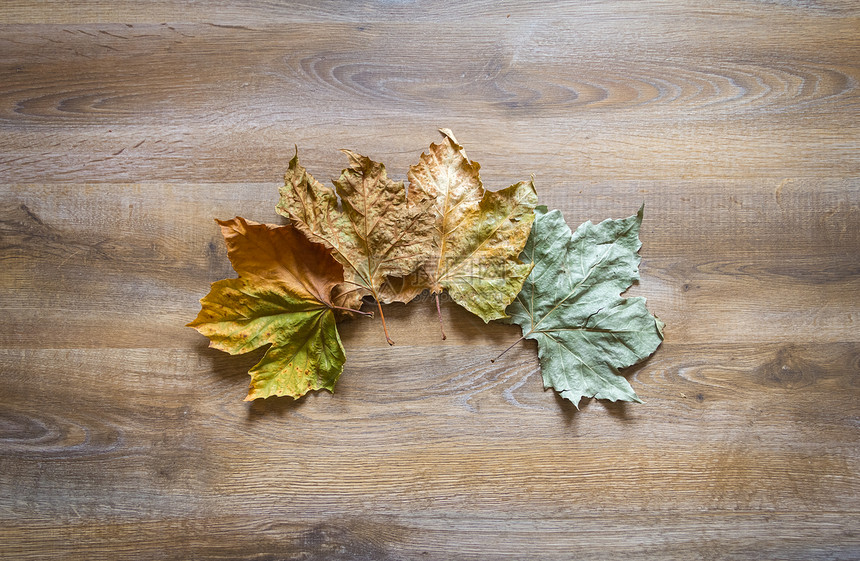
(352, 310)
(384, 327)
(439, 313)
(509, 348)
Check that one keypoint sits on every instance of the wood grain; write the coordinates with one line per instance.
(683, 95)
(126, 127)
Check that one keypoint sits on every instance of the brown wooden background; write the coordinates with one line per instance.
(127, 126)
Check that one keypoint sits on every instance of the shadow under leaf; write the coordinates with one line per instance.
(233, 370)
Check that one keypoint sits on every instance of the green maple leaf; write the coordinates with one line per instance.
(282, 297)
(571, 305)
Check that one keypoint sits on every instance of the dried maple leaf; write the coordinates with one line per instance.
(377, 234)
(477, 235)
(571, 305)
(282, 297)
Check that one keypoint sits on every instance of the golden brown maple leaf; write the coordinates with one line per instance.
(377, 234)
(477, 235)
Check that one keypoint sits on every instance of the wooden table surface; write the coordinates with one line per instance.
(126, 127)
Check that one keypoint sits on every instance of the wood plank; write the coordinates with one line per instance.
(772, 535)
(140, 256)
(161, 102)
(444, 439)
(248, 12)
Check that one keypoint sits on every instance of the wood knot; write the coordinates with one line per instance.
(789, 370)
